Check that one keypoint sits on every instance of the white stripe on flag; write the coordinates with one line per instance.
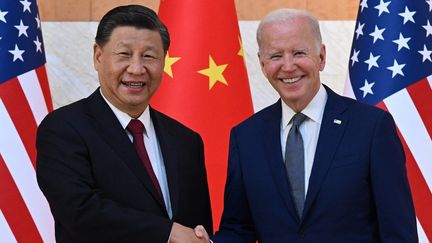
(5, 231)
(421, 234)
(413, 130)
(32, 90)
(23, 173)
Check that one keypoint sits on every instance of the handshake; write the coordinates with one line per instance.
(183, 234)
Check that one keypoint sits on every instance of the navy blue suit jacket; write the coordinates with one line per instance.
(97, 186)
(358, 189)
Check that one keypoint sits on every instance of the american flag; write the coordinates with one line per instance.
(391, 67)
(24, 101)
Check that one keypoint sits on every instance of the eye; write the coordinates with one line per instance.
(275, 56)
(149, 56)
(300, 53)
(123, 54)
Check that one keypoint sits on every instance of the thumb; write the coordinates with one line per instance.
(200, 231)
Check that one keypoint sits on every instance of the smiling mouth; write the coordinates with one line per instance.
(290, 80)
(134, 84)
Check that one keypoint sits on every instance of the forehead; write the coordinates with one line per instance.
(134, 35)
(291, 26)
(295, 31)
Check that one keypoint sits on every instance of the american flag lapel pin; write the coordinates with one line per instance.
(337, 121)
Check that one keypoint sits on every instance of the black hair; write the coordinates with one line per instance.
(131, 15)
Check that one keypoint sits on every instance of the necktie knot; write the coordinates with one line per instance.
(135, 126)
(298, 119)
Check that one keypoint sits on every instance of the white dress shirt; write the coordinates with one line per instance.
(309, 129)
(152, 146)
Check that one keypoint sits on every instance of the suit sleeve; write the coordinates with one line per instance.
(203, 197)
(236, 224)
(83, 212)
(393, 201)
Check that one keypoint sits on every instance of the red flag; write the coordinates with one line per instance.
(391, 67)
(205, 85)
(24, 101)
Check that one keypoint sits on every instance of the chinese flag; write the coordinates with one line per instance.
(205, 85)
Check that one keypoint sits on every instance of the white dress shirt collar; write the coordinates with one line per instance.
(124, 118)
(314, 110)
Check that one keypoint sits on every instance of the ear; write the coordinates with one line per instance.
(322, 56)
(97, 53)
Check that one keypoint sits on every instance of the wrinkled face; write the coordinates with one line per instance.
(130, 68)
(291, 59)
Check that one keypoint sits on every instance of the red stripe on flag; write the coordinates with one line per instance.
(43, 81)
(14, 208)
(421, 95)
(421, 194)
(422, 197)
(19, 110)
(382, 106)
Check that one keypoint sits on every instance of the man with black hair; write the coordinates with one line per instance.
(112, 168)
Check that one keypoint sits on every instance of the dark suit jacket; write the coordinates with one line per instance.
(97, 186)
(358, 189)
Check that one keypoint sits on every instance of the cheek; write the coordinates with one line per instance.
(317, 63)
(156, 71)
(270, 70)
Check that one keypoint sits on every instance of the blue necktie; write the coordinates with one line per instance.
(294, 162)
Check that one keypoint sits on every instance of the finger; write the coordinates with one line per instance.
(200, 232)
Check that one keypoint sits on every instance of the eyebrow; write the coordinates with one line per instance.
(149, 46)
(305, 49)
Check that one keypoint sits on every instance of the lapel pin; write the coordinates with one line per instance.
(336, 121)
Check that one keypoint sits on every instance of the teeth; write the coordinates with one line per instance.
(290, 80)
(134, 84)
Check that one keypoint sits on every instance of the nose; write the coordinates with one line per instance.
(136, 66)
(288, 64)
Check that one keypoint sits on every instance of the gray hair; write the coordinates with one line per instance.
(284, 14)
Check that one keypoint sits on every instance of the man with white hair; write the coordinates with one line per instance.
(314, 166)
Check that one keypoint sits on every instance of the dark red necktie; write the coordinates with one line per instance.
(137, 129)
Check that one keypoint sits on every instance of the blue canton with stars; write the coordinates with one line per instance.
(21, 48)
(392, 47)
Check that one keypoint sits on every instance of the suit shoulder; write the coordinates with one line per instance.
(68, 112)
(270, 112)
(358, 108)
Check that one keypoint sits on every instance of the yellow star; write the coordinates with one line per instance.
(214, 72)
(241, 51)
(169, 61)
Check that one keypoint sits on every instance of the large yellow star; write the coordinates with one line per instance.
(214, 72)
(241, 51)
(169, 61)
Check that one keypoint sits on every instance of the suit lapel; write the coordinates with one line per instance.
(270, 133)
(115, 136)
(168, 145)
(332, 129)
